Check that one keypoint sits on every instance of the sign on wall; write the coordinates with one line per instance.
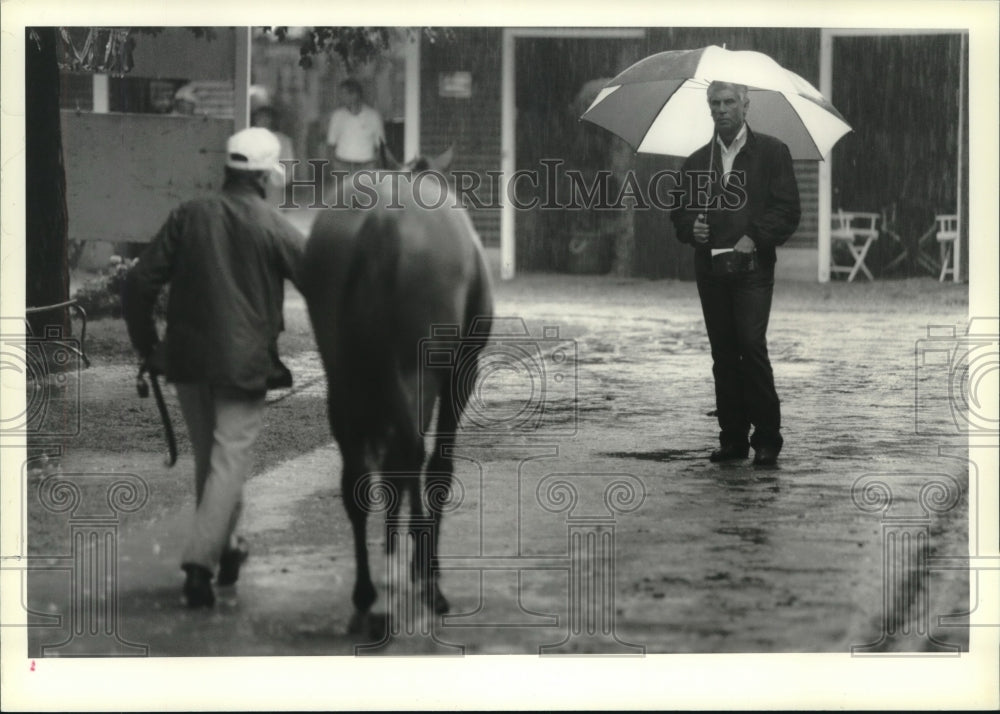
(455, 85)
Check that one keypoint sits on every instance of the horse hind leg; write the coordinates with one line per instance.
(357, 503)
(437, 488)
(401, 475)
(438, 484)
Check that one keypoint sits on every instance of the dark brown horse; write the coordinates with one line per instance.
(379, 280)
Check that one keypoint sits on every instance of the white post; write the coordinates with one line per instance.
(241, 84)
(411, 104)
(507, 160)
(825, 188)
(101, 91)
(957, 252)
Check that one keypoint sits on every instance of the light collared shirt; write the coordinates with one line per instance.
(356, 136)
(728, 153)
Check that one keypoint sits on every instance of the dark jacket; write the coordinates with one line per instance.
(760, 201)
(226, 258)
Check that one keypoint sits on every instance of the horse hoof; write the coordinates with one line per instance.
(371, 626)
(437, 602)
(358, 623)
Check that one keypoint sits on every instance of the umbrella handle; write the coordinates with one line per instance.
(711, 152)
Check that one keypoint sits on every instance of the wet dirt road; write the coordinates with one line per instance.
(586, 515)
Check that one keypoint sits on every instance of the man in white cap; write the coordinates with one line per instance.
(226, 258)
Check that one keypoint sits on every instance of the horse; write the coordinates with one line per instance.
(379, 278)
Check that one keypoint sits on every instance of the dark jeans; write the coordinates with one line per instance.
(736, 309)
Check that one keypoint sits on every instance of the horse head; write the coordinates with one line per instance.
(439, 163)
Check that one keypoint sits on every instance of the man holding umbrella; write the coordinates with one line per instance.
(739, 201)
(749, 206)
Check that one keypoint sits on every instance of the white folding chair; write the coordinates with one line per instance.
(950, 246)
(856, 230)
(887, 226)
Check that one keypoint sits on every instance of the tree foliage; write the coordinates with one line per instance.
(103, 50)
(109, 50)
(356, 45)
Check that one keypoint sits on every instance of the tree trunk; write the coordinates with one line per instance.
(46, 234)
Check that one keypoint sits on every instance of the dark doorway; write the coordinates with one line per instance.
(550, 74)
(901, 95)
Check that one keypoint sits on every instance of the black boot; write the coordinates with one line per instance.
(198, 586)
(767, 445)
(766, 455)
(230, 562)
(730, 452)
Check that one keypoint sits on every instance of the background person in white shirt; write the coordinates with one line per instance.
(356, 136)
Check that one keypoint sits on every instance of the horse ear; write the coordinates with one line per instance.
(442, 161)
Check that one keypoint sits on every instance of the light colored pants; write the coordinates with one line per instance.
(223, 424)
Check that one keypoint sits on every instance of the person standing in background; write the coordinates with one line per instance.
(264, 114)
(355, 137)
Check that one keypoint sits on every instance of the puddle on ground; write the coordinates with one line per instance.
(661, 455)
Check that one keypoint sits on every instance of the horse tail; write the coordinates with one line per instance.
(371, 278)
(371, 303)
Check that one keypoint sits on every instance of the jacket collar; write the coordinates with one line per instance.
(711, 148)
(243, 183)
(740, 138)
(750, 142)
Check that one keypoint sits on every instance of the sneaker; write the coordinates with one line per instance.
(230, 562)
(198, 586)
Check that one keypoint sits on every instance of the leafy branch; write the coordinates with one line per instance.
(356, 45)
(110, 49)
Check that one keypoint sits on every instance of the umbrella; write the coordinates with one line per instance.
(659, 105)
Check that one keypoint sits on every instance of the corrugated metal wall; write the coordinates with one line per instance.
(473, 124)
(900, 93)
(807, 175)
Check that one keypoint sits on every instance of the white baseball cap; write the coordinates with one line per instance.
(255, 149)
